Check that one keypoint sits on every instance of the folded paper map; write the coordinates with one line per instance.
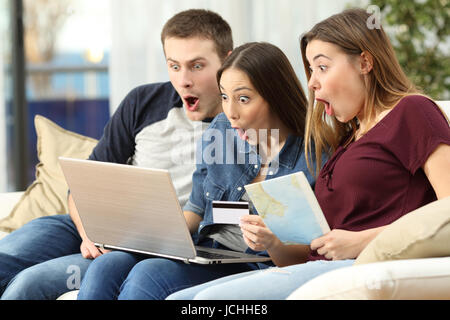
(289, 208)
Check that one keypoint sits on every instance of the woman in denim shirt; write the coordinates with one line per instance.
(259, 136)
(224, 179)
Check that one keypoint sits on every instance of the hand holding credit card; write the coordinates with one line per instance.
(229, 212)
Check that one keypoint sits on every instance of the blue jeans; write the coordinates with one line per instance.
(127, 276)
(269, 284)
(41, 260)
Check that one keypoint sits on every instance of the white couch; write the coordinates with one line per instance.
(7, 203)
(381, 280)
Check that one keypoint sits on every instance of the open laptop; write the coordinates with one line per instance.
(136, 209)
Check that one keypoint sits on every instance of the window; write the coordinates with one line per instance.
(66, 76)
(5, 89)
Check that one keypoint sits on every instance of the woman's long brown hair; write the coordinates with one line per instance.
(386, 84)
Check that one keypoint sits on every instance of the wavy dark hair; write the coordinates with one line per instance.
(272, 75)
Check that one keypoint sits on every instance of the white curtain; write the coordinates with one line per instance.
(137, 55)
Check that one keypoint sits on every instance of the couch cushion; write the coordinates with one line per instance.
(47, 195)
(7, 202)
(71, 295)
(422, 233)
(389, 280)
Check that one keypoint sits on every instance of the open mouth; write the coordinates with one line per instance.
(242, 133)
(328, 108)
(191, 103)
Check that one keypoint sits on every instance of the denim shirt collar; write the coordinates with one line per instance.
(289, 153)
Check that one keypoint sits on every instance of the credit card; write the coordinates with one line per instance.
(229, 212)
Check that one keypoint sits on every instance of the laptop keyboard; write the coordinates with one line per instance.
(211, 255)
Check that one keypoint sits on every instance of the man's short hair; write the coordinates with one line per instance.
(203, 24)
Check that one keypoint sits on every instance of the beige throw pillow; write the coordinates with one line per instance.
(422, 233)
(47, 195)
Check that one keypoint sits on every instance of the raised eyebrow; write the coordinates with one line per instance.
(321, 55)
(196, 59)
(199, 59)
(237, 89)
(242, 88)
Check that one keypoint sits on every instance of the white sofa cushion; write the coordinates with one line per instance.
(7, 202)
(71, 295)
(445, 105)
(389, 280)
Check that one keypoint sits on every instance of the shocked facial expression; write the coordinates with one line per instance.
(193, 64)
(244, 107)
(336, 80)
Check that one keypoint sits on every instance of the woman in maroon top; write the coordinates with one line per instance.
(389, 148)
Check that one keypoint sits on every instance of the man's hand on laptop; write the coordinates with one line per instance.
(90, 251)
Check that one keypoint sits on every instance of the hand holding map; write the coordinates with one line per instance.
(289, 208)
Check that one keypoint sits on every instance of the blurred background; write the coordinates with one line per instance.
(73, 61)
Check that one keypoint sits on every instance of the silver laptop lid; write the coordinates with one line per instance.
(129, 207)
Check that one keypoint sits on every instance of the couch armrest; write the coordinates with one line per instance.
(389, 280)
(7, 202)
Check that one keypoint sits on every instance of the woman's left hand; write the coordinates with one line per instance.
(256, 234)
(341, 244)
